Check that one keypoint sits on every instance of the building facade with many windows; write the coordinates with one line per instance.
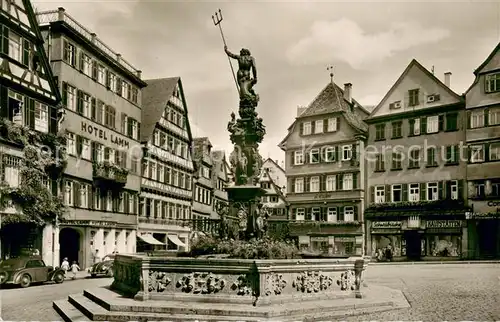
(220, 179)
(416, 165)
(167, 168)
(203, 185)
(28, 107)
(101, 99)
(483, 170)
(325, 173)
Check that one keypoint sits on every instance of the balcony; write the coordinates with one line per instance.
(109, 174)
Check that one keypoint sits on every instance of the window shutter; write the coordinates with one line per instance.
(460, 184)
(81, 60)
(4, 99)
(79, 102)
(79, 145)
(94, 151)
(441, 190)
(486, 152)
(93, 109)
(423, 191)
(134, 211)
(301, 128)
(76, 190)
(54, 186)
(31, 113)
(447, 190)
(292, 186)
(5, 40)
(387, 193)
(456, 149)
(354, 152)
(294, 214)
(372, 194)
(323, 215)
(307, 155)
(91, 192)
(423, 125)
(441, 122)
(65, 51)
(138, 131)
(307, 184)
(53, 120)
(123, 123)
(341, 214)
(356, 215)
(108, 79)
(325, 125)
(337, 153)
(118, 88)
(65, 93)
(411, 123)
(486, 114)
(355, 180)
(26, 52)
(469, 119)
(94, 69)
(404, 192)
(125, 203)
(313, 127)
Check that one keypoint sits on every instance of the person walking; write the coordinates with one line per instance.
(74, 268)
(65, 265)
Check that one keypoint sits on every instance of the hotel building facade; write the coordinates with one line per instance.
(101, 95)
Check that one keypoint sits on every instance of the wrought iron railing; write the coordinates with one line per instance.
(47, 17)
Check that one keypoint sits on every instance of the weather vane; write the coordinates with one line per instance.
(217, 19)
(330, 69)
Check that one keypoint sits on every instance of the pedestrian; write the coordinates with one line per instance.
(74, 268)
(65, 265)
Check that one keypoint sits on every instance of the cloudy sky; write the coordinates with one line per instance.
(369, 43)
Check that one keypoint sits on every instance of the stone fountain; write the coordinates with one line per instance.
(213, 289)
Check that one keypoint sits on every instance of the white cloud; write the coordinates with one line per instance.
(345, 40)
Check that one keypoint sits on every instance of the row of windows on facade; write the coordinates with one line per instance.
(333, 182)
(417, 126)
(20, 49)
(99, 73)
(492, 83)
(107, 236)
(414, 192)
(171, 144)
(449, 154)
(84, 195)
(86, 149)
(484, 117)
(485, 188)
(97, 111)
(159, 171)
(203, 195)
(270, 199)
(160, 209)
(25, 111)
(326, 154)
(326, 214)
(175, 111)
(319, 126)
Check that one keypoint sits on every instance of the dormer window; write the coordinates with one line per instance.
(413, 97)
(492, 83)
(307, 128)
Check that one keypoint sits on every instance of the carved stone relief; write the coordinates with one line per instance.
(242, 285)
(158, 281)
(347, 281)
(312, 282)
(275, 283)
(201, 283)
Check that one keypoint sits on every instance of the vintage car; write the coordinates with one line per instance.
(103, 268)
(25, 271)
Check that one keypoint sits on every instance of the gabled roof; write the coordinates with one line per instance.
(202, 141)
(490, 57)
(219, 157)
(275, 187)
(276, 164)
(331, 100)
(413, 63)
(154, 100)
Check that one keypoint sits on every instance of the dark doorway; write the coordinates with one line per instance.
(488, 234)
(413, 245)
(69, 244)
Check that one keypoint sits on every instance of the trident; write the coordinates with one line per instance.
(217, 19)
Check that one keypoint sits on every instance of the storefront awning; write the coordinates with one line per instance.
(148, 238)
(174, 239)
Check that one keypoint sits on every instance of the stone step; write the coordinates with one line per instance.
(68, 312)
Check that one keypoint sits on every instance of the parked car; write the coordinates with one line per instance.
(25, 271)
(103, 268)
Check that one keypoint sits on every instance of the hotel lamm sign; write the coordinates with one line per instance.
(103, 134)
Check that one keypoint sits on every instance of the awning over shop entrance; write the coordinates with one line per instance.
(174, 239)
(148, 238)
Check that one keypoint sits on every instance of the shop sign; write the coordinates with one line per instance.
(93, 223)
(386, 224)
(444, 223)
(319, 239)
(323, 195)
(345, 239)
(102, 134)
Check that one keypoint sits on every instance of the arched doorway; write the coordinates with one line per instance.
(69, 244)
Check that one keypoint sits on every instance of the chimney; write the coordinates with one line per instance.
(348, 92)
(93, 37)
(447, 77)
(119, 57)
(60, 14)
(138, 73)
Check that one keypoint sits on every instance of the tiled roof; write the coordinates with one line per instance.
(330, 100)
(154, 99)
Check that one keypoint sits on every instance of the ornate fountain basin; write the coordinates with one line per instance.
(256, 282)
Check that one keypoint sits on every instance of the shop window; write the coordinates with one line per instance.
(381, 242)
(444, 246)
